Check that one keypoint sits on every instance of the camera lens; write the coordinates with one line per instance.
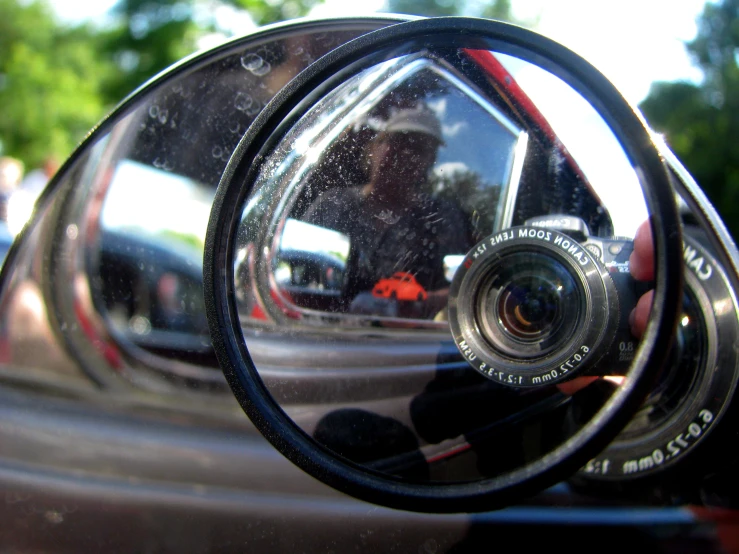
(689, 397)
(529, 300)
(528, 309)
(532, 307)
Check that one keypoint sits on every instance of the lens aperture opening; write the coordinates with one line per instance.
(529, 304)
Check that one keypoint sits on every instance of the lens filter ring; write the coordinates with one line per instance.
(530, 307)
(563, 452)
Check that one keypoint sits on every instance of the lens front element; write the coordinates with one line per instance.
(528, 305)
(528, 309)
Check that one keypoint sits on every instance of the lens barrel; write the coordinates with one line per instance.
(680, 417)
(532, 307)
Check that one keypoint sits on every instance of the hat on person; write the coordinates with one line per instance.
(414, 120)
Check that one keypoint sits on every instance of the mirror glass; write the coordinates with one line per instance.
(131, 211)
(433, 269)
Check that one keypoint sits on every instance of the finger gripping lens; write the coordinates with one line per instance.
(531, 307)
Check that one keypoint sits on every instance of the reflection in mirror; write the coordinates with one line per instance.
(384, 164)
(367, 209)
(397, 123)
(133, 208)
(151, 258)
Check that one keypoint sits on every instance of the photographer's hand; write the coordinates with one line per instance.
(641, 265)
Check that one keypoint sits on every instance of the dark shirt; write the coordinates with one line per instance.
(412, 238)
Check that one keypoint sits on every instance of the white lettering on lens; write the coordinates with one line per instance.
(699, 266)
(571, 248)
(580, 257)
(466, 350)
(501, 237)
(674, 447)
(535, 234)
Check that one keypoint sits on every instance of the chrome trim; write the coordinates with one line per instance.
(508, 206)
(708, 212)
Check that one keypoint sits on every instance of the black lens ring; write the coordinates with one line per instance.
(243, 376)
(585, 347)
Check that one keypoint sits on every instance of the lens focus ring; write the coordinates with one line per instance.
(532, 307)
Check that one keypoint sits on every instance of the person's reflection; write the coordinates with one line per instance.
(399, 233)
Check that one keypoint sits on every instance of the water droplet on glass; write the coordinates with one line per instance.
(162, 164)
(431, 546)
(255, 64)
(52, 516)
(243, 101)
(217, 152)
(154, 111)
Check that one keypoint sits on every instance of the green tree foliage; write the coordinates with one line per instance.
(263, 12)
(57, 81)
(49, 83)
(150, 35)
(499, 9)
(701, 123)
(431, 8)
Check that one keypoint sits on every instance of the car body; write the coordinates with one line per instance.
(122, 437)
(400, 286)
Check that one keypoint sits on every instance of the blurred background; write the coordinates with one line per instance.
(64, 64)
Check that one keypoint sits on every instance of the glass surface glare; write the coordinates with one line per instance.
(362, 210)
